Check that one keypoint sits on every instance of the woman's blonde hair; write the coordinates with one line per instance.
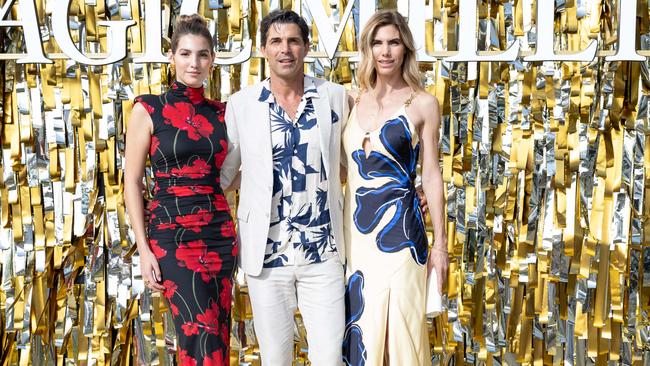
(367, 74)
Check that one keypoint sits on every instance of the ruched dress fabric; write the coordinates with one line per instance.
(191, 231)
(386, 250)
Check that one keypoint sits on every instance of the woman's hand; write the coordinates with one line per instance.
(439, 261)
(150, 271)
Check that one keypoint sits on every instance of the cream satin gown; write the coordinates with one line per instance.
(386, 246)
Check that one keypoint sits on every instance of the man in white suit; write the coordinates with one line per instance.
(284, 138)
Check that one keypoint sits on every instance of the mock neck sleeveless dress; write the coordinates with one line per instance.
(386, 251)
(191, 231)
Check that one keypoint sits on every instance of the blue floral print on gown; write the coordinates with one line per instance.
(406, 228)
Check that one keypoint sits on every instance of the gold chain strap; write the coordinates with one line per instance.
(410, 99)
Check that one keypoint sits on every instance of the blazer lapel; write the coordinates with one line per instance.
(261, 126)
(324, 121)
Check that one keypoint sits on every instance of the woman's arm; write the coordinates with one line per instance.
(427, 111)
(138, 139)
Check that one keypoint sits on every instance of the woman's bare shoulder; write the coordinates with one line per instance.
(354, 93)
(423, 108)
(140, 121)
(426, 102)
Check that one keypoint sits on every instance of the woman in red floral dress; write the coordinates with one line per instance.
(189, 250)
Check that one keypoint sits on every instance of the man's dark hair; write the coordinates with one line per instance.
(283, 17)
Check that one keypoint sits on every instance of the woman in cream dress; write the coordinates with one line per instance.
(392, 121)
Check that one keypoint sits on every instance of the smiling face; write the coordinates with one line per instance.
(285, 51)
(388, 51)
(192, 60)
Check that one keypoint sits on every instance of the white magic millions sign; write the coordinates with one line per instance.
(329, 37)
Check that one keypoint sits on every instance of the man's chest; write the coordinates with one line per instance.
(287, 131)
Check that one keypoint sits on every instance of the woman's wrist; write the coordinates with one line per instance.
(440, 242)
(439, 249)
(143, 246)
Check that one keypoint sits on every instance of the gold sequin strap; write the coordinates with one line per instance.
(358, 98)
(410, 99)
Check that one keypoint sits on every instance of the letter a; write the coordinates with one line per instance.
(31, 33)
(116, 37)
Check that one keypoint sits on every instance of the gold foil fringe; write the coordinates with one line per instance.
(546, 166)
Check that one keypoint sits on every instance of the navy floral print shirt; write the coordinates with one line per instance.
(300, 231)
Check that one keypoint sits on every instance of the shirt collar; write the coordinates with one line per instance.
(309, 91)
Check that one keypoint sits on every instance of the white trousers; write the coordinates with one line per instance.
(318, 291)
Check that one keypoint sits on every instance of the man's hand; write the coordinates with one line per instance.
(423, 200)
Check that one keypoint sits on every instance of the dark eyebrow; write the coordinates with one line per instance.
(296, 38)
(398, 39)
(187, 50)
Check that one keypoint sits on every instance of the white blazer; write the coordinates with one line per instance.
(249, 150)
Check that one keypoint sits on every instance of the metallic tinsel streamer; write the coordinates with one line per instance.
(545, 168)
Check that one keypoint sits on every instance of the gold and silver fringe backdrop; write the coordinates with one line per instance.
(546, 165)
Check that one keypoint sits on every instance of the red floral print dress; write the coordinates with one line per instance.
(191, 230)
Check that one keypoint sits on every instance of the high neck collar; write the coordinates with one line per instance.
(182, 91)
